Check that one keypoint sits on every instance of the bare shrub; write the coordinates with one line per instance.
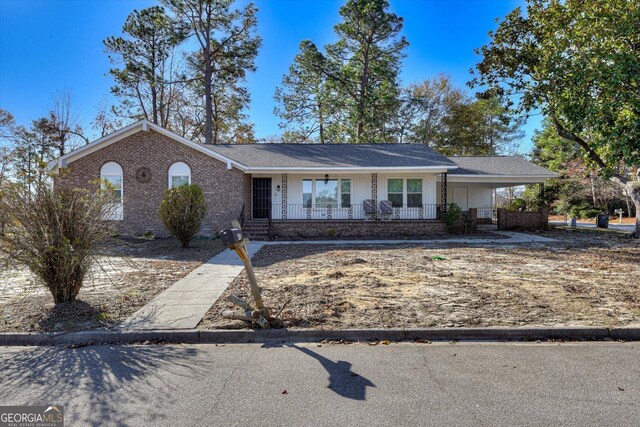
(56, 234)
(182, 210)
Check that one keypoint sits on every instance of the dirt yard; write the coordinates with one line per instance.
(581, 279)
(131, 272)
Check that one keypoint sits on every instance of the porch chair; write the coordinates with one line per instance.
(386, 209)
(369, 207)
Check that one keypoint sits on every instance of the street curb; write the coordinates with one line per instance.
(222, 336)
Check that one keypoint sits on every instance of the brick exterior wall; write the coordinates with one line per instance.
(225, 190)
(397, 229)
(522, 220)
(248, 188)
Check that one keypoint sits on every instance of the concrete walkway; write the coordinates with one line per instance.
(511, 238)
(185, 303)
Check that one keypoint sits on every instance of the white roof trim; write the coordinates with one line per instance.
(142, 125)
(522, 179)
(433, 169)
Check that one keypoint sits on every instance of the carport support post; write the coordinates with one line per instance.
(541, 195)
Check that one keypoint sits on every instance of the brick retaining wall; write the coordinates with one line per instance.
(522, 220)
(396, 229)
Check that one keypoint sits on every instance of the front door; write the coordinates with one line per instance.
(261, 198)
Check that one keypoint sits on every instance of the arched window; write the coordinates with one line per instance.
(179, 174)
(111, 173)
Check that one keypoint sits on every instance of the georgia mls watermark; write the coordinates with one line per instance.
(31, 416)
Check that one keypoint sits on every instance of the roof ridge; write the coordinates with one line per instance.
(489, 155)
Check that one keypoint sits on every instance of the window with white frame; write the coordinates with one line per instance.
(395, 188)
(404, 192)
(414, 192)
(326, 192)
(179, 174)
(111, 176)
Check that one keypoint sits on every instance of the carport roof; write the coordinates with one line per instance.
(498, 166)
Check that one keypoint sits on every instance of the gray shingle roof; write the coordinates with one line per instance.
(497, 165)
(332, 155)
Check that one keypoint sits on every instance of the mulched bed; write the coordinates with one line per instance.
(132, 271)
(582, 279)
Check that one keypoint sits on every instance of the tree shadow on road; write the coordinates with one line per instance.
(94, 383)
(342, 380)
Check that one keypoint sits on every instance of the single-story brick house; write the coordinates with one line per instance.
(292, 190)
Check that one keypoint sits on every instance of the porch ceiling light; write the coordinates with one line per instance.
(326, 178)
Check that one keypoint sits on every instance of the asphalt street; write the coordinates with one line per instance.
(458, 384)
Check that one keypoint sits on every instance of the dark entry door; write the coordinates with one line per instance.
(261, 198)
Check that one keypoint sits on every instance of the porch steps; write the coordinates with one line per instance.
(256, 230)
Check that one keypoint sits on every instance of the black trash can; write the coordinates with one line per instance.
(602, 221)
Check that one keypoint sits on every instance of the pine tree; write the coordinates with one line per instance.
(148, 81)
(227, 48)
(357, 75)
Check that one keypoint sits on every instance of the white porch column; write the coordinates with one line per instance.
(374, 187)
(284, 196)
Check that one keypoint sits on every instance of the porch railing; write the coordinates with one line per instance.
(352, 212)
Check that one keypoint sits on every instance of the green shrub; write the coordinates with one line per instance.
(182, 210)
(452, 216)
(517, 205)
(56, 234)
(590, 213)
(583, 211)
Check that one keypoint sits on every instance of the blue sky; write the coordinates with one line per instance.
(47, 46)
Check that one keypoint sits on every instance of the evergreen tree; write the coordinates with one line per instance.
(358, 76)
(227, 48)
(304, 101)
(146, 82)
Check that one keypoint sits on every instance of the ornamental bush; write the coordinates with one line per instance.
(452, 216)
(56, 233)
(517, 205)
(182, 210)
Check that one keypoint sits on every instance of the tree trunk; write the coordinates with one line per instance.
(362, 96)
(154, 89)
(208, 105)
(634, 193)
(321, 121)
(593, 189)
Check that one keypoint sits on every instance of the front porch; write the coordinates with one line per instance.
(344, 196)
(345, 205)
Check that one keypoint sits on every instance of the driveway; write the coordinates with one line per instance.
(612, 225)
(501, 384)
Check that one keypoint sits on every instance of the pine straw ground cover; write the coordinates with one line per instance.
(131, 273)
(582, 279)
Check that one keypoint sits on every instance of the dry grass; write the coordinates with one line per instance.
(130, 274)
(580, 280)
